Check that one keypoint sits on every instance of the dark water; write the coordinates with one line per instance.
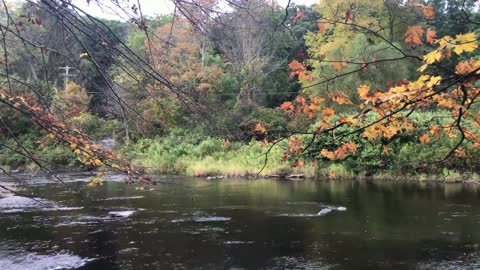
(237, 224)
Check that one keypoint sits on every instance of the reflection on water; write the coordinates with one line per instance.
(237, 224)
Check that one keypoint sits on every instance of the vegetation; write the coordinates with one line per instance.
(337, 89)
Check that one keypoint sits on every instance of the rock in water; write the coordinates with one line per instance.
(341, 208)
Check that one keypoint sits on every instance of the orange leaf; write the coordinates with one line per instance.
(340, 98)
(464, 67)
(337, 66)
(425, 138)
(300, 15)
(299, 164)
(363, 91)
(301, 100)
(460, 153)
(316, 100)
(413, 35)
(328, 112)
(287, 106)
(431, 36)
(259, 127)
(327, 154)
(296, 68)
(428, 11)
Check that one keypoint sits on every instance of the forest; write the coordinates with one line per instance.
(380, 88)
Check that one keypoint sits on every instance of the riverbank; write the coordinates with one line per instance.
(215, 158)
(85, 175)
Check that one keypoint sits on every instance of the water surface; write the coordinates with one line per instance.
(238, 224)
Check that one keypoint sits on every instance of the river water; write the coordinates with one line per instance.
(237, 224)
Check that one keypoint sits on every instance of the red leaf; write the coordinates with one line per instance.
(348, 16)
(321, 27)
(300, 15)
(364, 65)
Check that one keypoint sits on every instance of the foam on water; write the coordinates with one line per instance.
(35, 261)
(19, 204)
(124, 214)
(201, 219)
(123, 198)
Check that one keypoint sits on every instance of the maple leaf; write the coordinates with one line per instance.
(328, 112)
(351, 147)
(260, 128)
(428, 12)
(413, 35)
(425, 138)
(432, 57)
(327, 154)
(465, 67)
(348, 16)
(422, 68)
(299, 164)
(287, 106)
(364, 65)
(340, 98)
(316, 100)
(435, 131)
(465, 43)
(460, 153)
(340, 153)
(337, 66)
(301, 100)
(431, 36)
(296, 68)
(300, 15)
(363, 91)
(349, 120)
(321, 27)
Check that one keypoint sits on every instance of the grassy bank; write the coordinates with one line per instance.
(195, 155)
(191, 153)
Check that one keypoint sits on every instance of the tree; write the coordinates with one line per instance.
(384, 113)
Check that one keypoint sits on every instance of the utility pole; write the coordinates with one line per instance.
(66, 75)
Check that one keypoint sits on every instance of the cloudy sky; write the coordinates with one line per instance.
(151, 7)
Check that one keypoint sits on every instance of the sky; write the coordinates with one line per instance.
(151, 7)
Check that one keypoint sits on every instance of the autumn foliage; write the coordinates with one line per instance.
(383, 114)
(86, 150)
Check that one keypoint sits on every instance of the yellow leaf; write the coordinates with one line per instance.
(434, 81)
(432, 57)
(363, 91)
(73, 145)
(422, 68)
(465, 43)
(98, 162)
(327, 154)
(424, 78)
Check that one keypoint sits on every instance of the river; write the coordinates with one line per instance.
(189, 223)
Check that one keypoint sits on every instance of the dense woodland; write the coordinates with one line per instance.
(241, 88)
